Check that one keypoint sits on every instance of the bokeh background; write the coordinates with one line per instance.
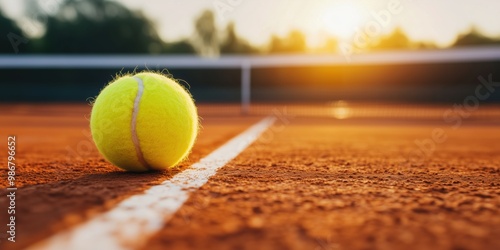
(257, 28)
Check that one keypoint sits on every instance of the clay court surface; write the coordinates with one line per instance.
(308, 182)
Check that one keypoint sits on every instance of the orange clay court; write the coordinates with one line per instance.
(307, 182)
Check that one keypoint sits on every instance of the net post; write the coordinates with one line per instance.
(246, 73)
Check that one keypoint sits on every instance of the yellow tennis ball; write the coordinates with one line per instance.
(144, 122)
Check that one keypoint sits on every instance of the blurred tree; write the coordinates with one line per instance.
(425, 45)
(396, 40)
(99, 26)
(179, 47)
(276, 45)
(331, 45)
(295, 42)
(12, 36)
(474, 37)
(206, 39)
(233, 44)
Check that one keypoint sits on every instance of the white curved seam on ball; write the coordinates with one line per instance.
(135, 112)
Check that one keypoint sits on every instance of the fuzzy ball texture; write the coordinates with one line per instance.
(144, 122)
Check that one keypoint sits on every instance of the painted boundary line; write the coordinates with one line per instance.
(130, 224)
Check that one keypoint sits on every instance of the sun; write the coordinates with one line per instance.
(342, 19)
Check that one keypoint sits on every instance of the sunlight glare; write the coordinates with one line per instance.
(342, 19)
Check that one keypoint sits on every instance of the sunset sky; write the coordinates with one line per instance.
(256, 20)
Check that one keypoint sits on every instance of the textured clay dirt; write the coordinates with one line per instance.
(307, 183)
(324, 184)
(61, 178)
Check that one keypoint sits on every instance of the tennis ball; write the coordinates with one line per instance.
(144, 122)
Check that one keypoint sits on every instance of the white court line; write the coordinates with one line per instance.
(130, 224)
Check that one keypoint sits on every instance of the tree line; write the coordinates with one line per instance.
(107, 27)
